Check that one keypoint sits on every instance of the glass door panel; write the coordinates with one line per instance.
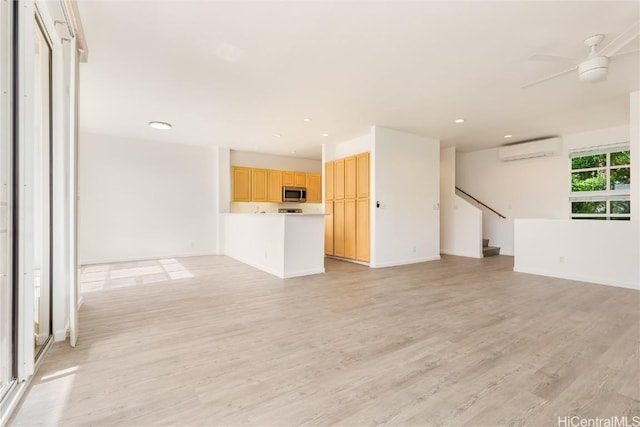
(6, 286)
(41, 191)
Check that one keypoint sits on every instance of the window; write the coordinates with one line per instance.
(601, 183)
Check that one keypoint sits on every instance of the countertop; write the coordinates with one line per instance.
(274, 213)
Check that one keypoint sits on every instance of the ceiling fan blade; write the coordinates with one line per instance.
(617, 44)
(543, 57)
(628, 52)
(552, 76)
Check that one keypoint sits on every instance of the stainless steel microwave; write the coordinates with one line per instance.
(294, 194)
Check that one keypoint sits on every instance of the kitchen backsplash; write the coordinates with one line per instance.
(253, 207)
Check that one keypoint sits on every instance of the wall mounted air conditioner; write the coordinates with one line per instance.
(529, 149)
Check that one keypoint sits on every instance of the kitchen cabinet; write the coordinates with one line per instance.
(241, 184)
(294, 179)
(338, 176)
(265, 185)
(362, 179)
(347, 228)
(274, 186)
(362, 230)
(314, 188)
(299, 179)
(328, 181)
(338, 228)
(350, 177)
(328, 228)
(350, 228)
(259, 185)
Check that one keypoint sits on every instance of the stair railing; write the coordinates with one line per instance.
(480, 203)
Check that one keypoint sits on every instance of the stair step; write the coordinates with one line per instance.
(485, 243)
(490, 251)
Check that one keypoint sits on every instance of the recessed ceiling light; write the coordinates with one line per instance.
(306, 119)
(277, 135)
(160, 125)
(325, 134)
(459, 121)
(508, 136)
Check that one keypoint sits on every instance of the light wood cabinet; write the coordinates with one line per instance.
(338, 179)
(299, 179)
(259, 185)
(338, 228)
(350, 228)
(265, 185)
(294, 179)
(314, 188)
(328, 228)
(288, 178)
(362, 230)
(347, 224)
(241, 184)
(363, 175)
(328, 181)
(350, 177)
(274, 186)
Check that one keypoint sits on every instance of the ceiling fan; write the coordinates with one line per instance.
(595, 66)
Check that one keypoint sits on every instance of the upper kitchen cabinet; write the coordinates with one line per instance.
(314, 188)
(259, 187)
(350, 177)
(328, 180)
(241, 184)
(294, 179)
(363, 175)
(274, 186)
(338, 179)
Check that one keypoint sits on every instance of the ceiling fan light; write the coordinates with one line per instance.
(593, 69)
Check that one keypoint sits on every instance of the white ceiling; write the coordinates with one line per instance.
(233, 73)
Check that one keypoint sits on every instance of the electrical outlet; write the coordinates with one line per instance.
(414, 249)
(561, 259)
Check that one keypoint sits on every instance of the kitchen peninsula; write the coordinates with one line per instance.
(283, 244)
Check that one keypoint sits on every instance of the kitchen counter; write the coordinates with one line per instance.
(283, 244)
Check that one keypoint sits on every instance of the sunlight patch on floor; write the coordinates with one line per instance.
(123, 275)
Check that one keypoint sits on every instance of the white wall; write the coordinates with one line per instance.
(634, 138)
(530, 188)
(361, 144)
(406, 182)
(604, 252)
(271, 161)
(145, 199)
(460, 222)
(282, 245)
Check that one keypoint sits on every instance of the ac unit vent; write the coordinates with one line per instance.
(529, 149)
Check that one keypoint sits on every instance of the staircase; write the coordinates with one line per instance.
(489, 250)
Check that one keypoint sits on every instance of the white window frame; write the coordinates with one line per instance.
(606, 195)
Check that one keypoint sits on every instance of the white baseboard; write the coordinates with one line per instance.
(60, 335)
(144, 258)
(592, 280)
(453, 253)
(304, 273)
(405, 262)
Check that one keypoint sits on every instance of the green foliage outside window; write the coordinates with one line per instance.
(621, 158)
(595, 161)
(589, 181)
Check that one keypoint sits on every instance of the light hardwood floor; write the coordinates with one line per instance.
(210, 341)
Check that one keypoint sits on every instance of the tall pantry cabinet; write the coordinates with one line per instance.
(347, 206)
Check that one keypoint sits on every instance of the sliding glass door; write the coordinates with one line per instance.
(40, 196)
(7, 342)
